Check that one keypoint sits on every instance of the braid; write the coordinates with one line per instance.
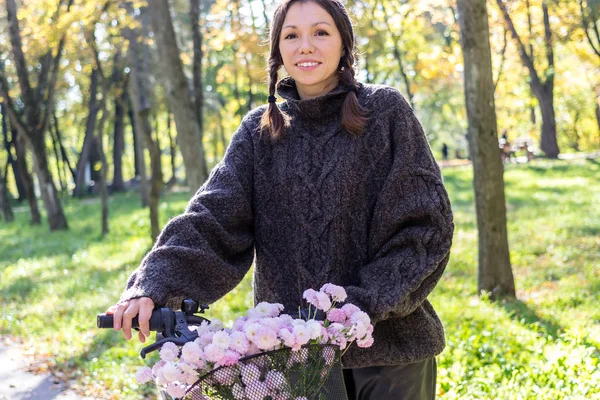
(354, 117)
(273, 120)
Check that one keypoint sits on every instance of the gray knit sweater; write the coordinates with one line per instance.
(369, 213)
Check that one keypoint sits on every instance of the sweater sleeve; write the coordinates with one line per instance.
(205, 252)
(411, 227)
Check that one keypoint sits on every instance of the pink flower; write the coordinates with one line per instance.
(143, 375)
(274, 379)
(350, 309)
(226, 376)
(169, 352)
(337, 315)
(323, 301)
(205, 339)
(337, 293)
(239, 343)
(250, 374)
(311, 296)
(230, 358)
(239, 323)
(190, 376)
(171, 373)
(192, 353)
(328, 355)
(256, 390)
(213, 353)
(287, 336)
(367, 341)
(266, 339)
(251, 329)
(176, 390)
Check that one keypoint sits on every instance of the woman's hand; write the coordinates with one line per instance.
(125, 311)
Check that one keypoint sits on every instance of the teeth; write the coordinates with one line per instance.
(308, 64)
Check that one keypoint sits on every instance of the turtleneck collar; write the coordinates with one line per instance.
(316, 108)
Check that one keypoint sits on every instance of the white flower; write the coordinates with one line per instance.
(301, 334)
(203, 328)
(221, 339)
(190, 376)
(314, 327)
(216, 325)
(265, 309)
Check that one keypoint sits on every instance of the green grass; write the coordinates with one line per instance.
(543, 345)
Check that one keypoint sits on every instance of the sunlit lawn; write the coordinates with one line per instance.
(545, 345)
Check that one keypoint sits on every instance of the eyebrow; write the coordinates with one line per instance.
(315, 24)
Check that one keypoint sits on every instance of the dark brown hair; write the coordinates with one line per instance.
(353, 116)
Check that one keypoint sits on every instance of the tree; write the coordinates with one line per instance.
(37, 109)
(141, 102)
(178, 94)
(590, 22)
(495, 273)
(543, 89)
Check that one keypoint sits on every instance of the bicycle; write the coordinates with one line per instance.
(178, 327)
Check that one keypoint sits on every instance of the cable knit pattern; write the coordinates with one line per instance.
(369, 213)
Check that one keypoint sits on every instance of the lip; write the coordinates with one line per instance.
(308, 61)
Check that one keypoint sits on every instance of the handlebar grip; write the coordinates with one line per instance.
(105, 321)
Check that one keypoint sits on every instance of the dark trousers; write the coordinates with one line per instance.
(414, 381)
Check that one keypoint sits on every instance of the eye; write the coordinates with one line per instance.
(290, 36)
(321, 32)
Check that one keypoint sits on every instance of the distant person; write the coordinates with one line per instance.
(335, 184)
(444, 151)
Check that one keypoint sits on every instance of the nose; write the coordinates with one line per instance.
(306, 46)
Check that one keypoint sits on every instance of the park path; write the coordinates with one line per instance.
(17, 383)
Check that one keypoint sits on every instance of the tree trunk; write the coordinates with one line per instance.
(5, 199)
(197, 40)
(548, 143)
(11, 160)
(26, 178)
(156, 179)
(59, 170)
(63, 151)
(56, 216)
(495, 273)
(119, 141)
(88, 140)
(178, 94)
(172, 149)
(140, 103)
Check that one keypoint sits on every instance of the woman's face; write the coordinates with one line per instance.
(311, 47)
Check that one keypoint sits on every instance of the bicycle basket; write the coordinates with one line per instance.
(312, 373)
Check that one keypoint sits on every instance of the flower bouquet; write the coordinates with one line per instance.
(266, 354)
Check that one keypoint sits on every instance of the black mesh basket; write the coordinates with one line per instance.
(312, 373)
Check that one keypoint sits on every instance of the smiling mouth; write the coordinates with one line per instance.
(308, 64)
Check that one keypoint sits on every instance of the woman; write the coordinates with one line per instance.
(336, 184)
